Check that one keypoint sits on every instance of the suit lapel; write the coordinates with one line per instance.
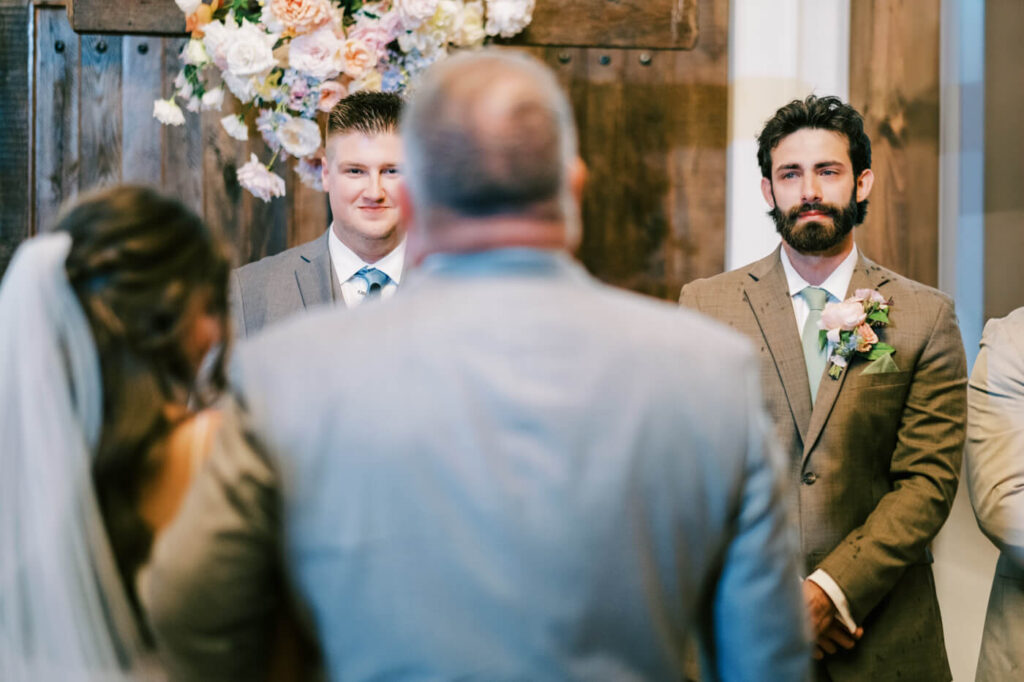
(767, 293)
(314, 274)
(866, 275)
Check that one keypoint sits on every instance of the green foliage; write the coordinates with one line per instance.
(880, 349)
(879, 317)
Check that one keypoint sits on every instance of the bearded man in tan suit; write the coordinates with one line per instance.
(875, 445)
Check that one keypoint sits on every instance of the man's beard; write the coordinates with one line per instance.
(813, 236)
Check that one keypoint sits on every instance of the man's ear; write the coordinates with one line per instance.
(864, 184)
(577, 179)
(325, 165)
(766, 192)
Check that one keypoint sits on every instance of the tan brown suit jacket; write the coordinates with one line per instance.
(875, 459)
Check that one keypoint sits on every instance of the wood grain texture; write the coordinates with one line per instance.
(647, 24)
(141, 83)
(15, 152)
(100, 129)
(894, 83)
(653, 133)
(152, 17)
(1004, 157)
(58, 76)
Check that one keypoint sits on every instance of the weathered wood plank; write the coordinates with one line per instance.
(152, 17)
(648, 24)
(1004, 157)
(308, 217)
(56, 114)
(100, 111)
(15, 141)
(141, 83)
(894, 83)
(182, 167)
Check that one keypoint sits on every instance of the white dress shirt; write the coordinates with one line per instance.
(837, 285)
(346, 264)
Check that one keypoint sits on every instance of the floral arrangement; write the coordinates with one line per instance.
(287, 61)
(850, 326)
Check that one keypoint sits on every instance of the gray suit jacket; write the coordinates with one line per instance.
(995, 475)
(275, 287)
(875, 460)
(509, 472)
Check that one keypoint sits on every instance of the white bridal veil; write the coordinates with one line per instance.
(63, 612)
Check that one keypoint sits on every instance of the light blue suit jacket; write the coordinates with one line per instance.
(507, 472)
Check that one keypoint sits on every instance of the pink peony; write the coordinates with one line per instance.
(415, 12)
(869, 295)
(376, 33)
(259, 181)
(868, 338)
(331, 92)
(300, 16)
(319, 54)
(847, 315)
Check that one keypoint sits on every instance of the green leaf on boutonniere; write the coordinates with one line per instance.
(879, 316)
(879, 350)
(822, 339)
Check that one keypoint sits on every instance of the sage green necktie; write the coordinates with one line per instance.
(814, 354)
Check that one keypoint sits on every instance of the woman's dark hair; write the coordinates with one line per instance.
(826, 113)
(138, 260)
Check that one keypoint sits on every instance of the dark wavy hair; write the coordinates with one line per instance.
(137, 262)
(825, 113)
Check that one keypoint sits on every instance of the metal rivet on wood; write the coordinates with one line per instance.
(646, 58)
(143, 48)
(101, 46)
(59, 46)
(605, 60)
(564, 57)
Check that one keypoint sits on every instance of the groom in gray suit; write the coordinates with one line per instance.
(362, 253)
(510, 472)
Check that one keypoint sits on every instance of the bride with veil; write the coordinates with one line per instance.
(104, 322)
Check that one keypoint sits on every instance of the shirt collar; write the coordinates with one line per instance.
(836, 284)
(346, 263)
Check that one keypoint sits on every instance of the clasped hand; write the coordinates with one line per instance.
(829, 632)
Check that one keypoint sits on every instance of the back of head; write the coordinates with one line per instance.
(369, 113)
(489, 133)
(143, 267)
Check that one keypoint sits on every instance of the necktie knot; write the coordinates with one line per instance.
(375, 280)
(816, 297)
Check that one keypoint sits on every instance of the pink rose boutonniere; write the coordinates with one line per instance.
(850, 325)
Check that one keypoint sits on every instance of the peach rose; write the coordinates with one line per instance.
(868, 338)
(869, 295)
(300, 16)
(358, 58)
(331, 92)
(847, 315)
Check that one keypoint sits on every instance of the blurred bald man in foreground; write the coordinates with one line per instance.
(510, 471)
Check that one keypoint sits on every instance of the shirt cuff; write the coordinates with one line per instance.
(835, 593)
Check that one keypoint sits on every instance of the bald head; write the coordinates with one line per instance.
(489, 133)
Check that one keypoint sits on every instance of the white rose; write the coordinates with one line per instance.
(250, 51)
(319, 54)
(242, 88)
(415, 12)
(195, 53)
(167, 112)
(193, 104)
(216, 38)
(259, 181)
(188, 6)
(299, 136)
(270, 20)
(471, 29)
(213, 99)
(235, 127)
(508, 17)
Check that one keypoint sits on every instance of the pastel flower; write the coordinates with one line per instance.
(370, 80)
(471, 26)
(415, 12)
(299, 136)
(259, 181)
(298, 16)
(319, 54)
(833, 335)
(242, 88)
(213, 99)
(193, 104)
(195, 53)
(358, 58)
(235, 127)
(868, 338)
(167, 112)
(506, 18)
(331, 92)
(310, 173)
(377, 32)
(838, 360)
(846, 315)
(869, 295)
(250, 51)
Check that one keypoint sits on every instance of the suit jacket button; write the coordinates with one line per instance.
(809, 478)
